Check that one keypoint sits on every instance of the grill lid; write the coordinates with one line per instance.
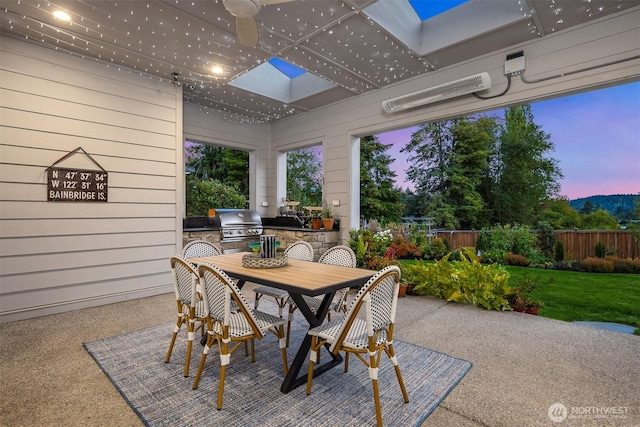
(237, 224)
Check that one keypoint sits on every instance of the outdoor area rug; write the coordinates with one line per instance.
(160, 394)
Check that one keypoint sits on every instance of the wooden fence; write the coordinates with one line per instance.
(578, 244)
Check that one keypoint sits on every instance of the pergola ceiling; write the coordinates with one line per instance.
(351, 46)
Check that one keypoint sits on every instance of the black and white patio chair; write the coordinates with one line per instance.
(365, 337)
(200, 248)
(230, 328)
(190, 306)
(344, 256)
(336, 255)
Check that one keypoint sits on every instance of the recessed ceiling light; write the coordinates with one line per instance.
(62, 15)
(217, 70)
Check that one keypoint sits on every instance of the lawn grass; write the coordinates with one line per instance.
(577, 296)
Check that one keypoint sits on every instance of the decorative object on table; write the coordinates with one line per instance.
(228, 326)
(253, 261)
(255, 247)
(327, 218)
(377, 299)
(268, 246)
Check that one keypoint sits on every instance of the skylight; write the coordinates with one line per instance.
(426, 9)
(287, 69)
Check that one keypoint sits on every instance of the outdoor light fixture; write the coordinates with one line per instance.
(460, 87)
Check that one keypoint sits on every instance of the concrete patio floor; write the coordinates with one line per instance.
(522, 365)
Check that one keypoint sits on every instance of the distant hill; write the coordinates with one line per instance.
(615, 204)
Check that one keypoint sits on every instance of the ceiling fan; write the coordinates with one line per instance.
(245, 12)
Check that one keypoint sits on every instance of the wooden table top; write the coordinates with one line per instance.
(300, 277)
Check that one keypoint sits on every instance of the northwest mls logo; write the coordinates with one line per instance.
(557, 412)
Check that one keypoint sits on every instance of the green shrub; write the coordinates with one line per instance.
(465, 280)
(629, 265)
(515, 259)
(597, 265)
(212, 194)
(558, 249)
(601, 250)
(434, 250)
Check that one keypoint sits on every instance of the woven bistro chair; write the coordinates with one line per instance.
(344, 256)
(227, 327)
(365, 337)
(336, 255)
(190, 306)
(200, 248)
(299, 250)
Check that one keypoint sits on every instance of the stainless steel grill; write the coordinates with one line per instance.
(238, 224)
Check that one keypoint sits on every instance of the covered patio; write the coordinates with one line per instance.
(522, 364)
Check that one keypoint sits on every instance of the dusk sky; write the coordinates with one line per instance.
(596, 136)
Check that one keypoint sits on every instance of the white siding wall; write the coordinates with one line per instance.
(58, 256)
(336, 126)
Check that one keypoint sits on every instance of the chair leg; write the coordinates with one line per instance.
(312, 359)
(373, 374)
(176, 329)
(207, 346)
(224, 361)
(283, 349)
(396, 366)
(289, 320)
(190, 334)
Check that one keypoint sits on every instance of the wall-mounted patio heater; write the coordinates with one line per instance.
(453, 89)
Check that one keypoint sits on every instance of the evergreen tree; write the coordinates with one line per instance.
(378, 197)
(526, 177)
(430, 149)
(587, 207)
(472, 140)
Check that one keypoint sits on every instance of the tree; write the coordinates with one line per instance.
(378, 197)
(472, 140)
(526, 176)
(431, 147)
(449, 163)
(559, 213)
(304, 176)
(599, 220)
(587, 207)
(217, 177)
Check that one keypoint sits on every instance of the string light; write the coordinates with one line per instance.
(337, 41)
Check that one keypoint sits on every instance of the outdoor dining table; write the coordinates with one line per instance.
(298, 278)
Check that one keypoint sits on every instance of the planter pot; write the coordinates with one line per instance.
(328, 223)
(410, 290)
(521, 309)
(402, 291)
(316, 223)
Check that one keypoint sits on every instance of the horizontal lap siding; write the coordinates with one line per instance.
(57, 256)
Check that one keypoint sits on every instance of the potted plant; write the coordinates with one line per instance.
(521, 299)
(316, 220)
(327, 218)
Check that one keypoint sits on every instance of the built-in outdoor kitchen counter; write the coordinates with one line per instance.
(286, 229)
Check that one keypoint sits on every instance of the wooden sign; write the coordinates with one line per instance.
(74, 185)
(77, 185)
